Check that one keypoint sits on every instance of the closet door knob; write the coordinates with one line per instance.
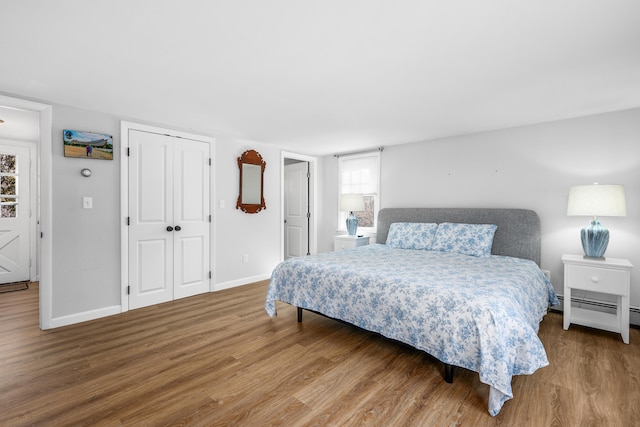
(169, 228)
(178, 228)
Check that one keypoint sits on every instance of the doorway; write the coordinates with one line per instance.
(41, 200)
(299, 213)
(17, 246)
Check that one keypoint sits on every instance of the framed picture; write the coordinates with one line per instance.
(89, 145)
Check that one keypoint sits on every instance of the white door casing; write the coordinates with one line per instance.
(168, 218)
(15, 212)
(296, 207)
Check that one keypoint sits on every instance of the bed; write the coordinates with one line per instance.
(462, 284)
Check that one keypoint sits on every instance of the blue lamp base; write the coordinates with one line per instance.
(595, 239)
(352, 224)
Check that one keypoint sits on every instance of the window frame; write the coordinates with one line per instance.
(342, 216)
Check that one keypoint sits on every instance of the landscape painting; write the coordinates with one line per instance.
(88, 145)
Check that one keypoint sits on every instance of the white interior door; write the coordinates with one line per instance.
(296, 197)
(150, 216)
(191, 218)
(15, 210)
(168, 218)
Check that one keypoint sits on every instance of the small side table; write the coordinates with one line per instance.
(346, 242)
(610, 276)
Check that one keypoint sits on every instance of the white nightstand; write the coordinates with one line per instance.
(611, 276)
(345, 242)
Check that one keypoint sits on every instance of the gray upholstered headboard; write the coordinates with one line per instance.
(517, 235)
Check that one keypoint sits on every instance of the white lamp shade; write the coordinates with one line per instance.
(597, 200)
(351, 202)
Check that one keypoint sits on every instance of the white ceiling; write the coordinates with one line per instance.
(319, 77)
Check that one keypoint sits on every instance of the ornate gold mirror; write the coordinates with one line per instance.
(251, 198)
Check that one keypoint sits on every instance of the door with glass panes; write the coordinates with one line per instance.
(15, 210)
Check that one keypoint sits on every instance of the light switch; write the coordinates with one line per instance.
(87, 203)
(221, 204)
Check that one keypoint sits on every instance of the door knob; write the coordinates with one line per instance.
(169, 228)
(178, 228)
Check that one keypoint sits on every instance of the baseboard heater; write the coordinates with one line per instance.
(634, 312)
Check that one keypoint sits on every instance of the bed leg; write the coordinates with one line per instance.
(299, 315)
(448, 373)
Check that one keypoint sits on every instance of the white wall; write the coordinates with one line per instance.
(329, 205)
(528, 167)
(238, 233)
(86, 242)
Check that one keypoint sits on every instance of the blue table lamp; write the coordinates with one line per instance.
(350, 202)
(594, 201)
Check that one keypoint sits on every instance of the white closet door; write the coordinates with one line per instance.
(169, 218)
(191, 218)
(151, 193)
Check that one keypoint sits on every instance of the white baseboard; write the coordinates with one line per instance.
(240, 282)
(85, 316)
(603, 306)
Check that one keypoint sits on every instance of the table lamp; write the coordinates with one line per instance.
(594, 201)
(350, 202)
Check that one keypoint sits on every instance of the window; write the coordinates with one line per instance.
(359, 173)
(8, 186)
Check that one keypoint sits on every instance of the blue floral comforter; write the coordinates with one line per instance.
(479, 313)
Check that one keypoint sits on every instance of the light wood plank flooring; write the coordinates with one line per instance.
(219, 360)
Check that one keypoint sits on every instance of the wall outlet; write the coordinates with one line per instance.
(245, 258)
(87, 202)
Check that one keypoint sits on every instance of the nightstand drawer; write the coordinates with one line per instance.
(339, 245)
(598, 279)
(348, 242)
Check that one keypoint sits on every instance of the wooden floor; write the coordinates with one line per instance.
(218, 359)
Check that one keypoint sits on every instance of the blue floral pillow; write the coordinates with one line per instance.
(411, 235)
(467, 239)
